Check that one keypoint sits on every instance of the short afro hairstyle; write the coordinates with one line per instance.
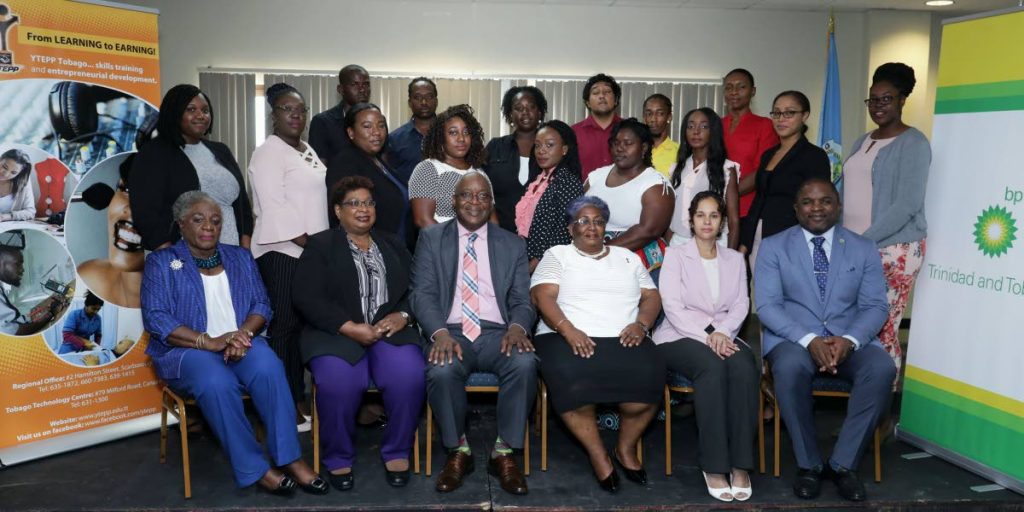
(598, 78)
(433, 141)
(510, 98)
(347, 184)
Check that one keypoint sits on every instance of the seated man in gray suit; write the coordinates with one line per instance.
(820, 295)
(471, 295)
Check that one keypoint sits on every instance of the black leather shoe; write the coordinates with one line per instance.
(317, 486)
(634, 475)
(610, 482)
(397, 478)
(849, 486)
(807, 484)
(342, 482)
(285, 487)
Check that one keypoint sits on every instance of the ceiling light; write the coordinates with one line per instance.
(938, 3)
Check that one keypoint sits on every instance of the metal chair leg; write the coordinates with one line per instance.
(668, 432)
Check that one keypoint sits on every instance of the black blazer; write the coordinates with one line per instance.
(160, 173)
(503, 169)
(393, 213)
(325, 290)
(327, 133)
(776, 190)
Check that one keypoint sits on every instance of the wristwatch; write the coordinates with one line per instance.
(406, 316)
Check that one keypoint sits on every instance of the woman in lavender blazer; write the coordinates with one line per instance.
(203, 304)
(704, 294)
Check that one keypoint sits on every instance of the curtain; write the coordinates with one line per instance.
(318, 90)
(234, 112)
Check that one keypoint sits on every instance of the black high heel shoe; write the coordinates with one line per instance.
(285, 487)
(610, 482)
(318, 486)
(634, 475)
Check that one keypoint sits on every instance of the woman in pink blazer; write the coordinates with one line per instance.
(704, 293)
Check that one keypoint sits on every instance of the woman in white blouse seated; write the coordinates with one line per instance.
(703, 166)
(704, 292)
(593, 342)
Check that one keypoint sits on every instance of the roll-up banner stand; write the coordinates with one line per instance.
(79, 82)
(963, 397)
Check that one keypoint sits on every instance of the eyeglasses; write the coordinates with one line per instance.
(584, 222)
(883, 101)
(353, 204)
(483, 197)
(788, 114)
(289, 109)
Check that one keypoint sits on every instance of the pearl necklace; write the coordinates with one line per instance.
(599, 255)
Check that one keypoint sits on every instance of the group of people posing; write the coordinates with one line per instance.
(407, 262)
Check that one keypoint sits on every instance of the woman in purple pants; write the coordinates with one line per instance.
(351, 286)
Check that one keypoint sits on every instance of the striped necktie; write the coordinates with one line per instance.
(470, 292)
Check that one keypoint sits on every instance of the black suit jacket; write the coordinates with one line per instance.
(327, 132)
(325, 290)
(434, 276)
(503, 169)
(776, 190)
(393, 213)
(160, 173)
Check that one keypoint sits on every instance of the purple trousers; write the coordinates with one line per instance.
(397, 371)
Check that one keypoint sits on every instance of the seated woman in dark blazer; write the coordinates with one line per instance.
(351, 285)
(181, 159)
(368, 131)
(783, 168)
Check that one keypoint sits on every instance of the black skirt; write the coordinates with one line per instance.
(614, 374)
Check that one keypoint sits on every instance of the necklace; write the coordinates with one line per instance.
(207, 263)
(599, 255)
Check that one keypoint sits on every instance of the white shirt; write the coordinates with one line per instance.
(524, 170)
(711, 271)
(10, 320)
(220, 313)
(827, 247)
(624, 201)
(599, 307)
(693, 181)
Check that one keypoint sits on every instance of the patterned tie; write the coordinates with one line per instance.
(470, 292)
(820, 265)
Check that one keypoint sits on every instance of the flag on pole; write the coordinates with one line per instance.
(830, 134)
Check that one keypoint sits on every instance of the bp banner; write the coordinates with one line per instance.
(963, 395)
(78, 84)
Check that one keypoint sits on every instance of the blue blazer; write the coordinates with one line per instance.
(175, 297)
(786, 292)
(434, 279)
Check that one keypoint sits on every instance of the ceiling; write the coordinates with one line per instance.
(961, 6)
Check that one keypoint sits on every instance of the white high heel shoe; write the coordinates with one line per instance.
(747, 491)
(723, 494)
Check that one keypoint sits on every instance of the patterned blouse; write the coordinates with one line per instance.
(373, 280)
(548, 228)
(434, 179)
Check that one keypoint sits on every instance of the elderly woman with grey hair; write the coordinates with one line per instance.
(594, 342)
(204, 306)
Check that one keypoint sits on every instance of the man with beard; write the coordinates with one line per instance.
(405, 144)
(658, 117)
(327, 132)
(119, 277)
(601, 95)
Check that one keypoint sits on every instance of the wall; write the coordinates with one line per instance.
(784, 49)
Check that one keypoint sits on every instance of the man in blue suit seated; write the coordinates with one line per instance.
(820, 295)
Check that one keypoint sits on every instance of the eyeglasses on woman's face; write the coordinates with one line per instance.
(881, 101)
(586, 221)
(784, 114)
(353, 204)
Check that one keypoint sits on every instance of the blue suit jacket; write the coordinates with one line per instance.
(434, 279)
(786, 292)
(174, 297)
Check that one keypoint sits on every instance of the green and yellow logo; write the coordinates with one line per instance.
(995, 231)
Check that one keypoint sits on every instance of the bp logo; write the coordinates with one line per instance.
(995, 231)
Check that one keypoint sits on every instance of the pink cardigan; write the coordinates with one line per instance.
(686, 297)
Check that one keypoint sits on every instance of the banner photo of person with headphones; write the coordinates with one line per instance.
(79, 85)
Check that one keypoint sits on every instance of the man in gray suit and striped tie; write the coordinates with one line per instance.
(471, 296)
